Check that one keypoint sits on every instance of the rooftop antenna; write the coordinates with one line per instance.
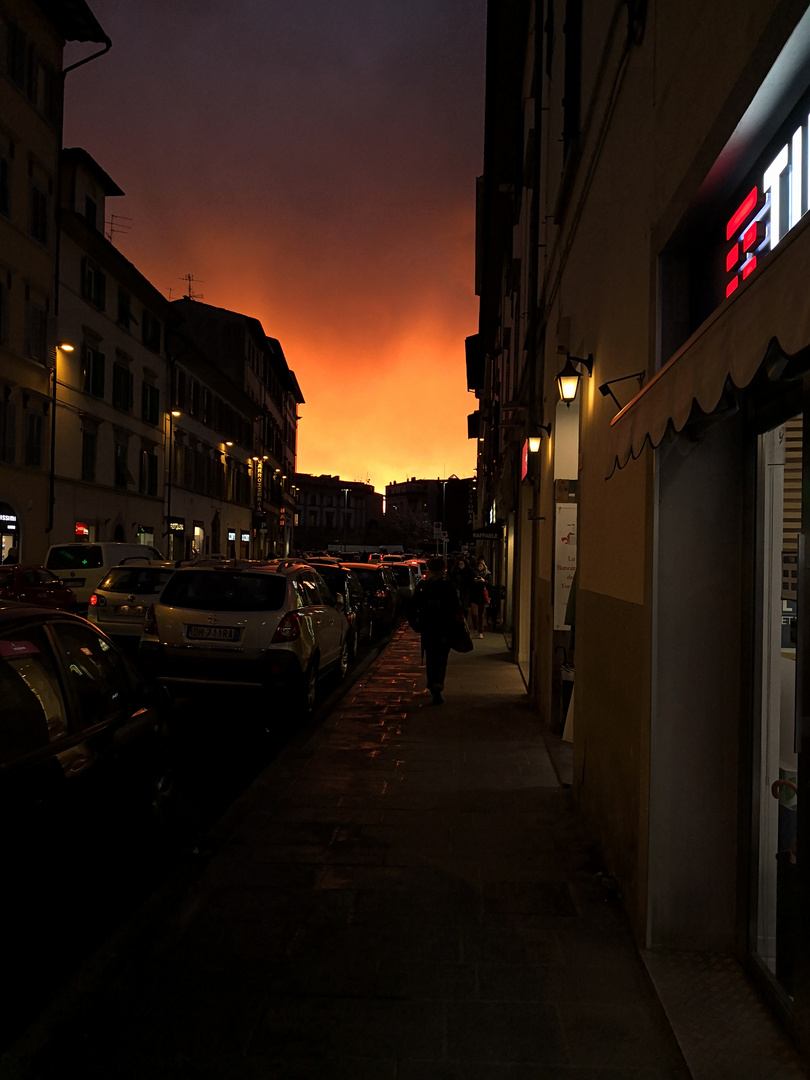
(116, 224)
(191, 295)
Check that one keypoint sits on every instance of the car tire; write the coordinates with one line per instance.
(343, 662)
(309, 689)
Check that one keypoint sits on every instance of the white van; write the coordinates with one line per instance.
(82, 565)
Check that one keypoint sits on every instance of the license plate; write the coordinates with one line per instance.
(130, 609)
(213, 633)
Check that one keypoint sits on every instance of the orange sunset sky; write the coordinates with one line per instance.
(311, 164)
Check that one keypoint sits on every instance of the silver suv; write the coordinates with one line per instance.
(273, 626)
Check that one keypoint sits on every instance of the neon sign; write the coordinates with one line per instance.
(770, 210)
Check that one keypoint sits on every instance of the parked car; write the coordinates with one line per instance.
(273, 627)
(382, 591)
(82, 737)
(119, 602)
(346, 588)
(406, 577)
(82, 565)
(35, 585)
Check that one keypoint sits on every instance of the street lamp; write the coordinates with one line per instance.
(345, 515)
(169, 531)
(65, 347)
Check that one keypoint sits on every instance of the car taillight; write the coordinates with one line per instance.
(381, 593)
(97, 601)
(150, 621)
(288, 629)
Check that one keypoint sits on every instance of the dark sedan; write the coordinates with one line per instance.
(35, 585)
(345, 586)
(382, 591)
(81, 737)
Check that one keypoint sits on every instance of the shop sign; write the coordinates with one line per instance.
(524, 460)
(231, 536)
(82, 529)
(494, 532)
(773, 205)
(245, 537)
(177, 525)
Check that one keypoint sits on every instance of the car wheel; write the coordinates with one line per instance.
(309, 688)
(343, 662)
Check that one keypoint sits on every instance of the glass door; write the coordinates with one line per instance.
(776, 779)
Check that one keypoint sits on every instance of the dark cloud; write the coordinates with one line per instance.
(316, 160)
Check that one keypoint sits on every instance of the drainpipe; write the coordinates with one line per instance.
(57, 254)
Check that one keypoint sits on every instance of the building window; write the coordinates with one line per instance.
(150, 403)
(179, 389)
(121, 475)
(36, 331)
(148, 473)
(93, 372)
(3, 313)
(89, 445)
(150, 331)
(16, 55)
(5, 182)
(34, 426)
(7, 431)
(94, 284)
(38, 211)
(124, 308)
(123, 387)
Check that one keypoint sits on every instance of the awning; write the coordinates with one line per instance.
(732, 345)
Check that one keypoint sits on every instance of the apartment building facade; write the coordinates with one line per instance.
(642, 231)
(32, 39)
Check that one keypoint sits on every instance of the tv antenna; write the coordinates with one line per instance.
(116, 224)
(190, 294)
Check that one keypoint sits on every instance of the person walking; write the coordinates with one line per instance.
(479, 597)
(462, 577)
(435, 610)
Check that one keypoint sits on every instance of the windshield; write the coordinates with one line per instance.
(136, 579)
(222, 590)
(75, 557)
(402, 574)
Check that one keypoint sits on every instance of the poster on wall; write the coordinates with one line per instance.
(565, 560)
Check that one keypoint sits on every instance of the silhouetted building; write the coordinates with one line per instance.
(333, 511)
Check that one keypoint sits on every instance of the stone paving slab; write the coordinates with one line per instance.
(404, 894)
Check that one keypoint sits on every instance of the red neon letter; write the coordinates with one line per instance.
(743, 211)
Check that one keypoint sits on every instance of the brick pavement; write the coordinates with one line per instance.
(403, 894)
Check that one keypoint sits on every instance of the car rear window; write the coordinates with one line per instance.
(223, 590)
(370, 579)
(402, 574)
(142, 580)
(75, 557)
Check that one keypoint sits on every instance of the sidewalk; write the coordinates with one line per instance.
(403, 894)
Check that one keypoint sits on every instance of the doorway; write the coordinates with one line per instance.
(775, 923)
